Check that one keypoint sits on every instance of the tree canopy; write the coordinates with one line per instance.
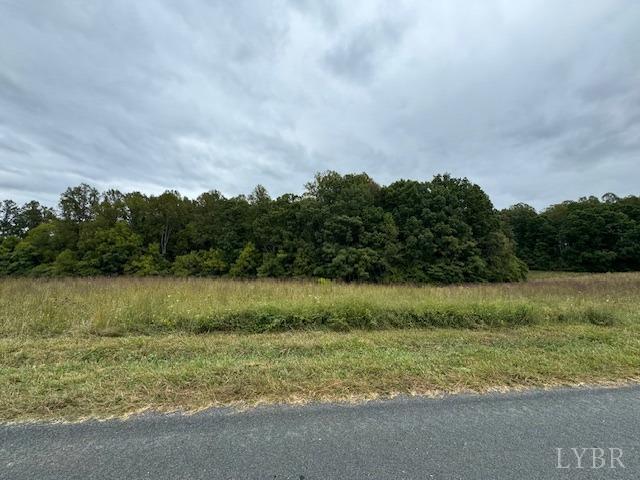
(591, 234)
(345, 227)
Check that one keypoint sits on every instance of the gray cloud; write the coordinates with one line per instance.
(356, 57)
(535, 101)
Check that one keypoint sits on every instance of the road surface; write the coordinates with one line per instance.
(512, 436)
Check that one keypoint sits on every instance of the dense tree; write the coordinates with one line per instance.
(344, 227)
(449, 231)
(219, 223)
(149, 263)
(31, 215)
(8, 215)
(591, 234)
(353, 236)
(110, 209)
(247, 263)
(534, 235)
(17, 221)
(35, 253)
(79, 204)
(108, 250)
(201, 263)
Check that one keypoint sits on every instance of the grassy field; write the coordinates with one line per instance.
(125, 306)
(99, 347)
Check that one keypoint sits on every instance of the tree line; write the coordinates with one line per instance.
(591, 234)
(343, 227)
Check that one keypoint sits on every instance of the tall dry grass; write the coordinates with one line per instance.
(121, 306)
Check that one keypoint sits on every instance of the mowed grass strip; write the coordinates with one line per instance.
(130, 306)
(73, 378)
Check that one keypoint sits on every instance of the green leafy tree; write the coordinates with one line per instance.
(36, 253)
(79, 204)
(107, 251)
(7, 247)
(279, 264)
(202, 263)
(149, 263)
(344, 226)
(8, 219)
(66, 264)
(220, 223)
(247, 263)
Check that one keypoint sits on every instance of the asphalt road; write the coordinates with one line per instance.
(514, 436)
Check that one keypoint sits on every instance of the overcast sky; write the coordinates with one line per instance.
(536, 101)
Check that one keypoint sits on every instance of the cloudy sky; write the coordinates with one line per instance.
(536, 101)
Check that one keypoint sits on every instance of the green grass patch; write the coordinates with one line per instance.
(73, 378)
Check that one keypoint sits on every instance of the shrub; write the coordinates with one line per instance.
(200, 263)
(247, 262)
(149, 264)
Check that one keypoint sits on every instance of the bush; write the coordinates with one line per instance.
(108, 250)
(247, 262)
(66, 263)
(201, 263)
(149, 264)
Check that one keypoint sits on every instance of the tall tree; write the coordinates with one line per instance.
(78, 204)
(8, 215)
